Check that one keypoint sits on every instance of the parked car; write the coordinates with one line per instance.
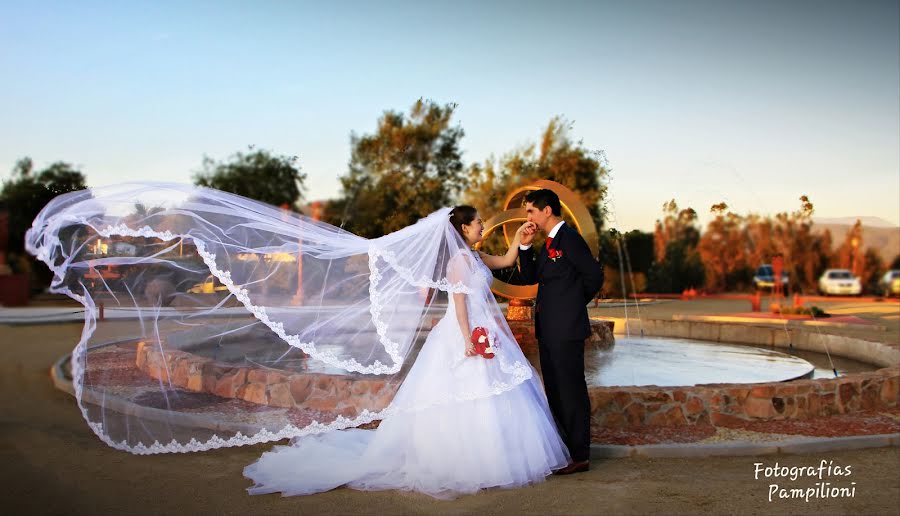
(890, 283)
(839, 281)
(765, 278)
(210, 285)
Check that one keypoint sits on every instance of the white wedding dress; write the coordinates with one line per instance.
(431, 442)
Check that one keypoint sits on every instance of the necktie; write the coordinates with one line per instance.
(549, 239)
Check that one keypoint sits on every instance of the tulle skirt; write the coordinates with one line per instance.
(429, 445)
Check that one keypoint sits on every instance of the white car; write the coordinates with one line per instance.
(890, 283)
(839, 281)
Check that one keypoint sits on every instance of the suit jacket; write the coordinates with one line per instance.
(565, 286)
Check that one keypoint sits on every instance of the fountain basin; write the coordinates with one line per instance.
(679, 362)
(735, 403)
(612, 406)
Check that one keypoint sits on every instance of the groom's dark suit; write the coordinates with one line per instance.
(565, 286)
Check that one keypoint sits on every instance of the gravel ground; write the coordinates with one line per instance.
(730, 434)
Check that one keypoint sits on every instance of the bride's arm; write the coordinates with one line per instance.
(508, 259)
(462, 317)
(458, 270)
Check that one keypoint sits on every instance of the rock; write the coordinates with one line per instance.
(694, 406)
(670, 417)
(759, 408)
(257, 375)
(722, 419)
(300, 387)
(601, 399)
(889, 390)
(280, 395)
(614, 420)
(254, 393)
(762, 391)
(635, 413)
(195, 376)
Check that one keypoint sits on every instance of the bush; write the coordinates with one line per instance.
(814, 311)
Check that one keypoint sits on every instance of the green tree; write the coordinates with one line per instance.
(411, 166)
(27, 192)
(259, 175)
(871, 271)
(556, 157)
(680, 269)
(677, 264)
(623, 253)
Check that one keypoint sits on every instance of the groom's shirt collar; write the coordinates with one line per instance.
(555, 230)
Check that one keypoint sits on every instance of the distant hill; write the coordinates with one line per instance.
(877, 233)
(869, 222)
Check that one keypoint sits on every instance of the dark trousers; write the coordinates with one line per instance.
(562, 367)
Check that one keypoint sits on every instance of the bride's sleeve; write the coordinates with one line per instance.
(459, 273)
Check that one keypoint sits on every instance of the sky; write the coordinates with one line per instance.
(750, 103)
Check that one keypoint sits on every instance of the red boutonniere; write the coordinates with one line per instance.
(482, 342)
(553, 254)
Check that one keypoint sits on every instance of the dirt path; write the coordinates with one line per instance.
(53, 464)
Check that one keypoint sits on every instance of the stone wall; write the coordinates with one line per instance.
(610, 406)
(265, 386)
(601, 335)
(721, 403)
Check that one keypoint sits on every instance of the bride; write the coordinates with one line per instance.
(239, 323)
(506, 440)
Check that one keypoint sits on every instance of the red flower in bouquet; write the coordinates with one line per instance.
(482, 342)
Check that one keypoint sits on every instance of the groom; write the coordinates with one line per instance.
(568, 277)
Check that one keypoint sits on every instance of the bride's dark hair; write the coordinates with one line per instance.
(462, 214)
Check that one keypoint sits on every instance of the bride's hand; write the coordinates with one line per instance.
(470, 350)
(526, 233)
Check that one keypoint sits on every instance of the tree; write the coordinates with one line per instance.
(677, 264)
(622, 254)
(733, 246)
(556, 158)
(680, 269)
(871, 271)
(850, 254)
(26, 193)
(802, 250)
(411, 166)
(259, 175)
(676, 225)
(721, 249)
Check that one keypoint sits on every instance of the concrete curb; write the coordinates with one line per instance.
(799, 445)
(773, 322)
(58, 376)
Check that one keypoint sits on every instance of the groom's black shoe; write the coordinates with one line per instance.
(574, 467)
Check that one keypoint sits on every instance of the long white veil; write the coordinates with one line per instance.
(231, 322)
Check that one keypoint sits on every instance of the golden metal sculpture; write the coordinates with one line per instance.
(571, 204)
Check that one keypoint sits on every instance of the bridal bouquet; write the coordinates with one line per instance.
(482, 342)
